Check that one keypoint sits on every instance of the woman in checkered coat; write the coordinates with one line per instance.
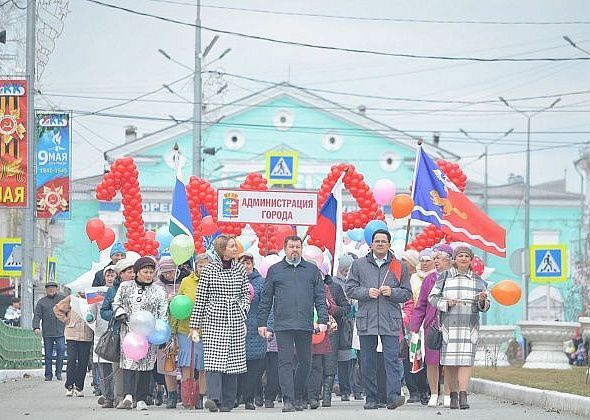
(219, 317)
(459, 295)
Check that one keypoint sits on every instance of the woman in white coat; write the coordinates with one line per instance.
(134, 296)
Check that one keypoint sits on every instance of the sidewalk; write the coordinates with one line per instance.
(549, 400)
(9, 374)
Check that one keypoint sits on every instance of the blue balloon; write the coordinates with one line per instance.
(164, 237)
(161, 333)
(355, 234)
(372, 227)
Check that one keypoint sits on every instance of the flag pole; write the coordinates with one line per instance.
(413, 192)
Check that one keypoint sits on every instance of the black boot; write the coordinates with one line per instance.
(172, 399)
(159, 397)
(454, 401)
(463, 404)
(313, 404)
(327, 398)
(199, 403)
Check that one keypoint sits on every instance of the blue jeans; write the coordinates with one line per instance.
(394, 369)
(59, 345)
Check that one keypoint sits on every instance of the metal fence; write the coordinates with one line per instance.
(19, 348)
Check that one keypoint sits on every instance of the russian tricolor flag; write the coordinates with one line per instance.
(329, 226)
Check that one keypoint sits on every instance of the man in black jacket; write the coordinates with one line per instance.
(53, 330)
(296, 286)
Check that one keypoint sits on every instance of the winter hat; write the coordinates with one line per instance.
(142, 263)
(446, 248)
(462, 250)
(122, 265)
(110, 267)
(425, 254)
(411, 256)
(344, 262)
(117, 248)
(166, 265)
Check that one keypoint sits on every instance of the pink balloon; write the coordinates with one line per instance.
(312, 253)
(266, 262)
(384, 191)
(135, 346)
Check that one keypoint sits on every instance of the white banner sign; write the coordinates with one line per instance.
(273, 207)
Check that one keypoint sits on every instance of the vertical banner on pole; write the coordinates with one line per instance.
(13, 142)
(53, 167)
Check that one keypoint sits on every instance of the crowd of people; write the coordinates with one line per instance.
(288, 337)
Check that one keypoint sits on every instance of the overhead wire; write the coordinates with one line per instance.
(375, 19)
(334, 48)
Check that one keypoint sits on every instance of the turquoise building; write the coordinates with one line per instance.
(321, 132)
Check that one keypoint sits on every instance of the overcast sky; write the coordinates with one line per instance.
(111, 53)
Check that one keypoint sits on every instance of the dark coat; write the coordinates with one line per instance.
(295, 291)
(51, 326)
(381, 316)
(342, 308)
(255, 344)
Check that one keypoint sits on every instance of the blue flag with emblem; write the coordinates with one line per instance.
(427, 181)
(180, 217)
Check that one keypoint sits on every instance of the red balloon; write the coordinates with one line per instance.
(107, 239)
(477, 266)
(208, 226)
(95, 229)
(150, 235)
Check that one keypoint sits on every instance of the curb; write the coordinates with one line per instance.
(9, 374)
(551, 400)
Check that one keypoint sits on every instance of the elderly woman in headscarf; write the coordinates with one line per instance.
(460, 295)
(424, 317)
(219, 316)
(132, 297)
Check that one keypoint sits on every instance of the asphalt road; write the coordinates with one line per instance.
(35, 399)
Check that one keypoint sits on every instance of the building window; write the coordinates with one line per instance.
(283, 119)
(389, 161)
(234, 139)
(332, 141)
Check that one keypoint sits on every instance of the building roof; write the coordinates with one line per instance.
(299, 94)
(552, 190)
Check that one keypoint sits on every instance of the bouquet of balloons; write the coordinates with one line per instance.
(145, 330)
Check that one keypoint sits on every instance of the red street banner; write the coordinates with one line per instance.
(13, 142)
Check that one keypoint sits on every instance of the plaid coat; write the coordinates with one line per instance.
(459, 323)
(220, 313)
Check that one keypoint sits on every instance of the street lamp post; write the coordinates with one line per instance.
(197, 108)
(527, 193)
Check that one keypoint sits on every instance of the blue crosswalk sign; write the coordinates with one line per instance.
(548, 263)
(281, 168)
(11, 253)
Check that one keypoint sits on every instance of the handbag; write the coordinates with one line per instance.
(434, 338)
(170, 353)
(108, 346)
(189, 388)
(345, 335)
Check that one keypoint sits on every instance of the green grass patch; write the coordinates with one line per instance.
(571, 381)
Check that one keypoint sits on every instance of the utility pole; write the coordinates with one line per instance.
(527, 197)
(28, 223)
(197, 108)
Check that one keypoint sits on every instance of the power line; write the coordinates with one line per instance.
(332, 48)
(375, 19)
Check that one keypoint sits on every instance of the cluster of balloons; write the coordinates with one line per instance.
(354, 182)
(144, 330)
(430, 236)
(97, 231)
(453, 172)
(268, 240)
(124, 177)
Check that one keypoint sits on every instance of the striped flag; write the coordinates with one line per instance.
(180, 217)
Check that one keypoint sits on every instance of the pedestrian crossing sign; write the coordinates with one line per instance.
(281, 168)
(548, 263)
(51, 270)
(11, 257)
